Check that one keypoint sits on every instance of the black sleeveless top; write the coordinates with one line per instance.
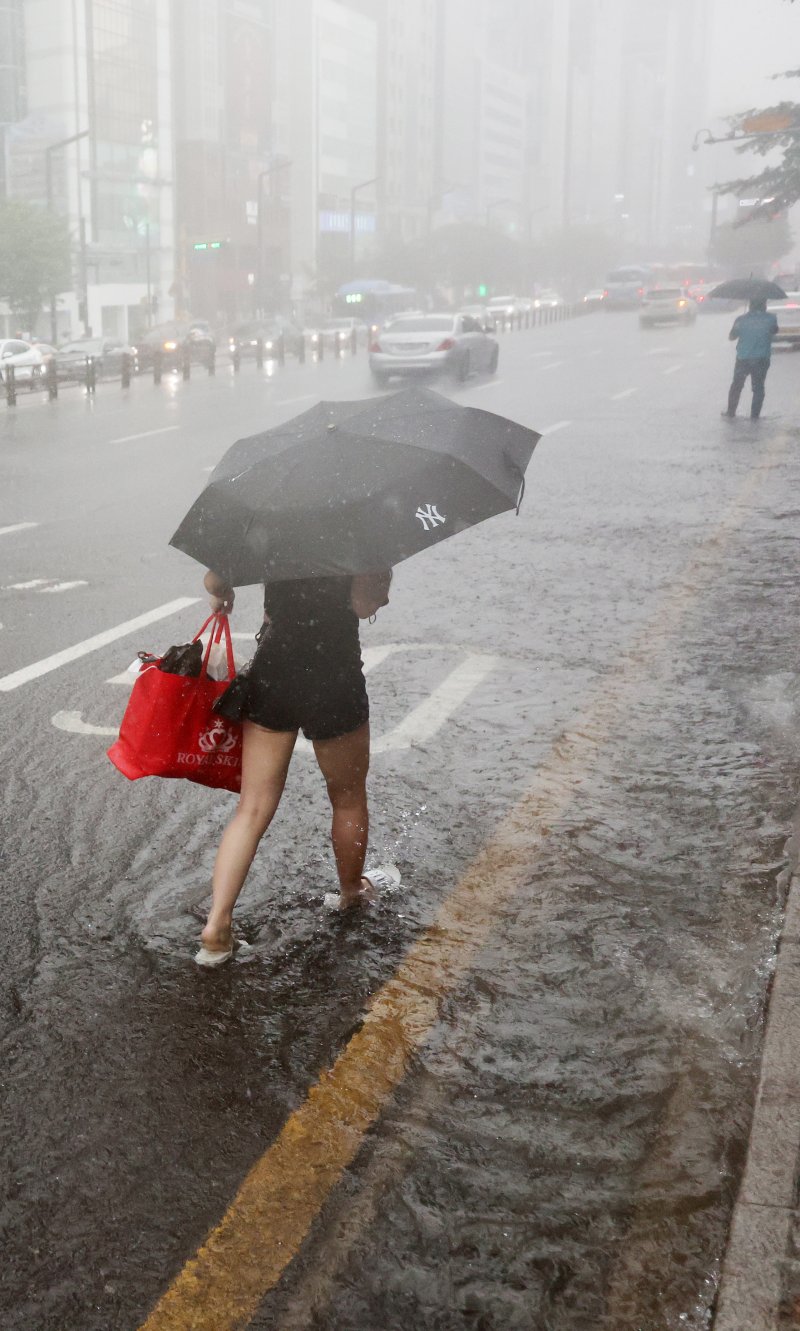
(311, 620)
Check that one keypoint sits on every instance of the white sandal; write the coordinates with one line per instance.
(208, 957)
(381, 879)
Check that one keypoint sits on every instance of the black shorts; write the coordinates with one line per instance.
(323, 703)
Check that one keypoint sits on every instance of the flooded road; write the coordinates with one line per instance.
(542, 1121)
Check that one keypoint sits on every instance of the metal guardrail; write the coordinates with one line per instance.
(312, 347)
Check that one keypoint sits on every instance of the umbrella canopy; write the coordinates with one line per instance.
(352, 487)
(749, 288)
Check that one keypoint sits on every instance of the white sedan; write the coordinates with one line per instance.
(27, 361)
(787, 313)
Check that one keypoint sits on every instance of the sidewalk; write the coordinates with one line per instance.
(760, 1286)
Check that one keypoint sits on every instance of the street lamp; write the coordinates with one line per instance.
(48, 184)
(262, 176)
(365, 184)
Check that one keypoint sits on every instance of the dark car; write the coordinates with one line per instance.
(174, 339)
(244, 337)
(108, 354)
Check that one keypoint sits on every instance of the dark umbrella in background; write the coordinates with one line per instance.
(352, 487)
(749, 288)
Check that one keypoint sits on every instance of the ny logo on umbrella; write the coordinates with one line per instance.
(430, 516)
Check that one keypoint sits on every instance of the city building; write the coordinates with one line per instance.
(96, 147)
(12, 75)
(233, 254)
(326, 132)
(407, 190)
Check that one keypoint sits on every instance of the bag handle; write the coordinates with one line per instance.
(221, 629)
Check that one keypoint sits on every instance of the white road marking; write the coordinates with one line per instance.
(553, 365)
(290, 401)
(536, 354)
(418, 727)
(673, 369)
(145, 434)
(625, 392)
(50, 663)
(74, 724)
(558, 425)
(63, 586)
(494, 383)
(428, 718)
(17, 526)
(655, 351)
(41, 585)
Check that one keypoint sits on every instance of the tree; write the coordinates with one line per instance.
(576, 257)
(752, 246)
(34, 258)
(461, 256)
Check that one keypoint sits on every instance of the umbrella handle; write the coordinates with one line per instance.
(521, 494)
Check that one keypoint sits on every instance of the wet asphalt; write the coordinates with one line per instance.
(564, 1149)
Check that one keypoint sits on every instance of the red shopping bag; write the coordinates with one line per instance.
(170, 730)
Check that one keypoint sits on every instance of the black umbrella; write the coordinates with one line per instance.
(352, 487)
(749, 288)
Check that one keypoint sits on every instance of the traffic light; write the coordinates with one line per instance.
(483, 290)
(207, 245)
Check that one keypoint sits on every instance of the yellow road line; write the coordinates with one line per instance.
(243, 1257)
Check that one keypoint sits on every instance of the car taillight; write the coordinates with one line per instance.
(447, 345)
(640, 292)
(605, 293)
(375, 346)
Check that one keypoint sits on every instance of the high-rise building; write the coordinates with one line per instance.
(326, 130)
(230, 260)
(407, 118)
(12, 75)
(98, 73)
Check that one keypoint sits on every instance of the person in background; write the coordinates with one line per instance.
(306, 675)
(753, 333)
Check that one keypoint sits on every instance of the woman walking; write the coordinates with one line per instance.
(306, 675)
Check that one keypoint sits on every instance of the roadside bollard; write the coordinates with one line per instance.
(125, 378)
(158, 365)
(320, 347)
(11, 386)
(91, 374)
(51, 380)
(212, 360)
(353, 342)
(237, 359)
(260, 352)
(186, 363)
(337, 345)
(281, 349)
(301, 350)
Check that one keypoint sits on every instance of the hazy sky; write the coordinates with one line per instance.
(753, 39)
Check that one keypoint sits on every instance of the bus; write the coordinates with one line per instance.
(374, 301)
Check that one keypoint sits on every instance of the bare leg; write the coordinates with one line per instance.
(265, 762)
(344, 763)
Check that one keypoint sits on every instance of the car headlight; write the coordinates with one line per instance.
(170, 346)
(268, 346)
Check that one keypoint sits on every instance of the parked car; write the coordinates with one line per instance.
(667, 305)
(245, 336)
(787, 313)
(426, 343)
(107, 353)
(27, 362)
(173, 339)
